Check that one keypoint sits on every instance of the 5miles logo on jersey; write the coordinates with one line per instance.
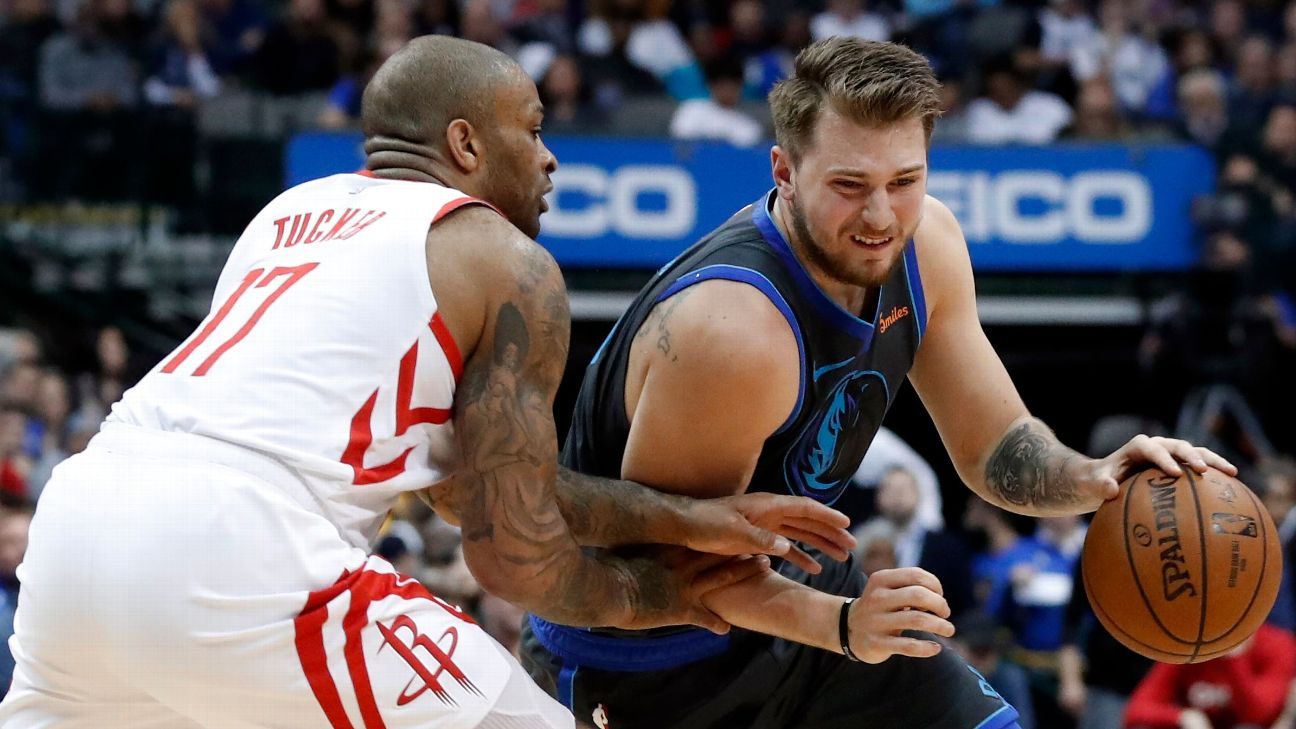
(832, 440)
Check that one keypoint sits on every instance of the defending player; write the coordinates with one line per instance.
(765, 357)
(203, 563)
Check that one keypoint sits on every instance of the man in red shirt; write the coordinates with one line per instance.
(1247, 687)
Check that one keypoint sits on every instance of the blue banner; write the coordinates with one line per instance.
(633, 203)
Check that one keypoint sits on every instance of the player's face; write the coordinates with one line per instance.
(856, 196)
(518, 178)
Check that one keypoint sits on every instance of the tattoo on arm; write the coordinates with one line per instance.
(513, 528)
(605, 512)
(1031, 468)
(657, 323)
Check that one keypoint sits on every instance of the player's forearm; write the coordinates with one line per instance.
(772, 604)
(1030, 472)
(604, 512)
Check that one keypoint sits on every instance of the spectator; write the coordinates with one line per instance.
(718, 117)
(1245, 688)
(98, 390)
(1012, 113)
(29, 25)
(180, 76)
(775, 64)
(889, 451)
(239, 29)
(1277, 488)
(1096, 673)
(1133, 64)
(14, 524)
(550, 25)
(15, 463)
(621, 32)
(180, 70)
(568, 100)
(1098, 117)
(849, 18)
(953, 126)
(53, 410)
(437, 17)
(1279, 146)
(479, 23)
(875, 546)
(941, 553)
(1254, 83)
(124, 26)
(994, 533)
(1190, 49)
(748, 31)
(18, 385)
(982, 644)
(1285, 70)
(300, 54)
(1228, 24)
(1066, 28)
(1030, 590)
(1204, 108)
(87, 87)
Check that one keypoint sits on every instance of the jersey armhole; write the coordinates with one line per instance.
(913, 277)
(758, 281)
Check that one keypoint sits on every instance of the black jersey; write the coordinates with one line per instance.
(689, 678)
(851, 367)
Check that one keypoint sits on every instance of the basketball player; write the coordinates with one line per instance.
(203, 563)
(765, 357)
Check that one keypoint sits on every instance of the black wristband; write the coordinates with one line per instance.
(843, 631)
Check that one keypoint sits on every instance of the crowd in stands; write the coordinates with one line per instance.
(90, 88)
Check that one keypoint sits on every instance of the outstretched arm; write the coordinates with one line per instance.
(516, 541)
(604, 512)
(1008, 457)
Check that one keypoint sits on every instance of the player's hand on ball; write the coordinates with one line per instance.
(1166, 454)
(895, 601)
(670, 585)
(760, 523)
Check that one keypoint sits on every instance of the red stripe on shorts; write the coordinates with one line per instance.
(309, 629)
(363, 592)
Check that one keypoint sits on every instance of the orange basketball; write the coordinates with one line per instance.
(1182, 570)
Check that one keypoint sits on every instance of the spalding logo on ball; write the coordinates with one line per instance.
(1182, 570)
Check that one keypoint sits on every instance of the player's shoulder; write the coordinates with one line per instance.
(487, 245)
(942, 254)
(729, 324)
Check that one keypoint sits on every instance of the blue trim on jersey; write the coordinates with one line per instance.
(757, 280)
(839, 317)
(579, 647)
(567, 686)
(1004, 718)
(914, 277)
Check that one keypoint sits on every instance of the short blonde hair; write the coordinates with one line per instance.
(868, 82)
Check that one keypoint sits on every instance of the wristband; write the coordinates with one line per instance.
(843, 631)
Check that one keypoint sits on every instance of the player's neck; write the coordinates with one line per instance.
(857, 300)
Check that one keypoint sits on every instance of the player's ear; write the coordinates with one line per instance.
(781, 167)
(464, 145)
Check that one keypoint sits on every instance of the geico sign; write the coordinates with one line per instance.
(1037, 206)
(589, 202)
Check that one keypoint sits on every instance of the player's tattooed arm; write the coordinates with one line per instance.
(1030, 468)
(516, 540)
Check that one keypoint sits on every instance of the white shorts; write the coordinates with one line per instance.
(168, 583)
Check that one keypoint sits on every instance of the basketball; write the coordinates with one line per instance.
(1182, 570)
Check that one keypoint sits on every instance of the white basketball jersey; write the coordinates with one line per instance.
(324, 349)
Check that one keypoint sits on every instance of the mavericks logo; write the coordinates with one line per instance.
(832, 442)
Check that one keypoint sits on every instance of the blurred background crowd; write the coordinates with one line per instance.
(181, 108)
